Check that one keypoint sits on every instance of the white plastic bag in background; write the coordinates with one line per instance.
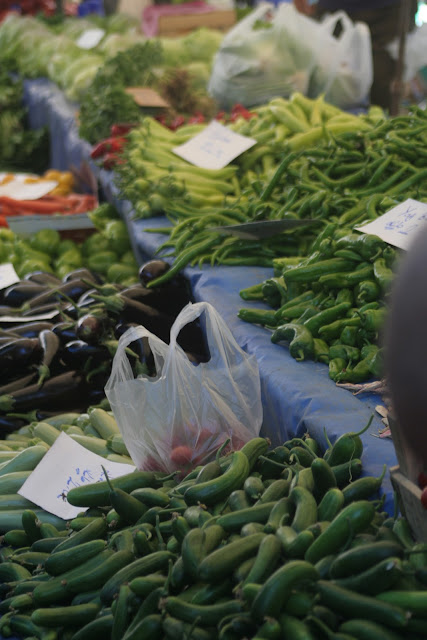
(415, 52)
(344, 67)
(179, 418)
(254, 64)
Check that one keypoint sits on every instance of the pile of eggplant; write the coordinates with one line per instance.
(58, 338)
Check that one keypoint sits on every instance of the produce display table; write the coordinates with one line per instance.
(297, 397)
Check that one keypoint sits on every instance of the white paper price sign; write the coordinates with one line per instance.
(90, 38)
(214, 148)
(67, 465)
(8, 275)
(399, 225)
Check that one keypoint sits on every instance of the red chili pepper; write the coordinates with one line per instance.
(121, 129)
(424, 497)
(109, 145)
(220, 115)
(198, 118)
(239, 110)
(110, 160)
(176, 123)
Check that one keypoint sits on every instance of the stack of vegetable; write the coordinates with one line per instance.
(330, 306)
(107, 251)
(259, 543)
(64, 360)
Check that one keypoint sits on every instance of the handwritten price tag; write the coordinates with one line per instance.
(8, 275)
(399, 225)
(66, 465)
(214, 148)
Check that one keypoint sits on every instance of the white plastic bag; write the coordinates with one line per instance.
(415, 52)
(179, 418)
(254, 64)
(344, 67)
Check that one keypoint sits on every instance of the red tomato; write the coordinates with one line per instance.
(181, 455)
(424, 497)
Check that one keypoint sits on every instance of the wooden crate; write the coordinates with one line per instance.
(178, 25)
(409, 497)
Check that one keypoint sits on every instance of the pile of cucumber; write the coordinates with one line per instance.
(285, 542)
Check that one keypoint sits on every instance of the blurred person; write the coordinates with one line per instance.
(383, 18)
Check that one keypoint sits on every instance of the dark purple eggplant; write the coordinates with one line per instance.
(190, 338)
(19, 353)
(50, 343)
(91, 327)
(122, 327)
(42, 277)
(82, 273)
(63, 391)
(72, 289)
(152, 269)
(169, 299)
(76, 354)
(9, 424)
(5, 310)
(31, 329)
(66, 331)
(43, 310)
(18, 294)
(95, 396)
(18, 383)
(7, 339)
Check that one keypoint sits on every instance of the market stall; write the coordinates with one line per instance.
(261, 504)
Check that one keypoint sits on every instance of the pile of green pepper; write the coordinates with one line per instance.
(329, 306)
(348, 178)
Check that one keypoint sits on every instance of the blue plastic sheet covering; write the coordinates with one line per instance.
(298, 397)
(47, 106)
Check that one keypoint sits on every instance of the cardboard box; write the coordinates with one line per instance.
(178, 25)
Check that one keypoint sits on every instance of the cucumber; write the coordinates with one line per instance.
(67, 559)
(96, 529)
(13, 481)
(98, 629)
(204, 615)
(98, 493)
(222, 562)
(55, 590)
(96, 578)
(11, 571)
(13, 519)
(275, 592)
(235, 520)
(156, 561)
(70, 616)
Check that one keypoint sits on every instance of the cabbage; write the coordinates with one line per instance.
(202, 44)
(174, 53)
(74, 68)
(116, 42)
(121, 23)
(81, 83)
